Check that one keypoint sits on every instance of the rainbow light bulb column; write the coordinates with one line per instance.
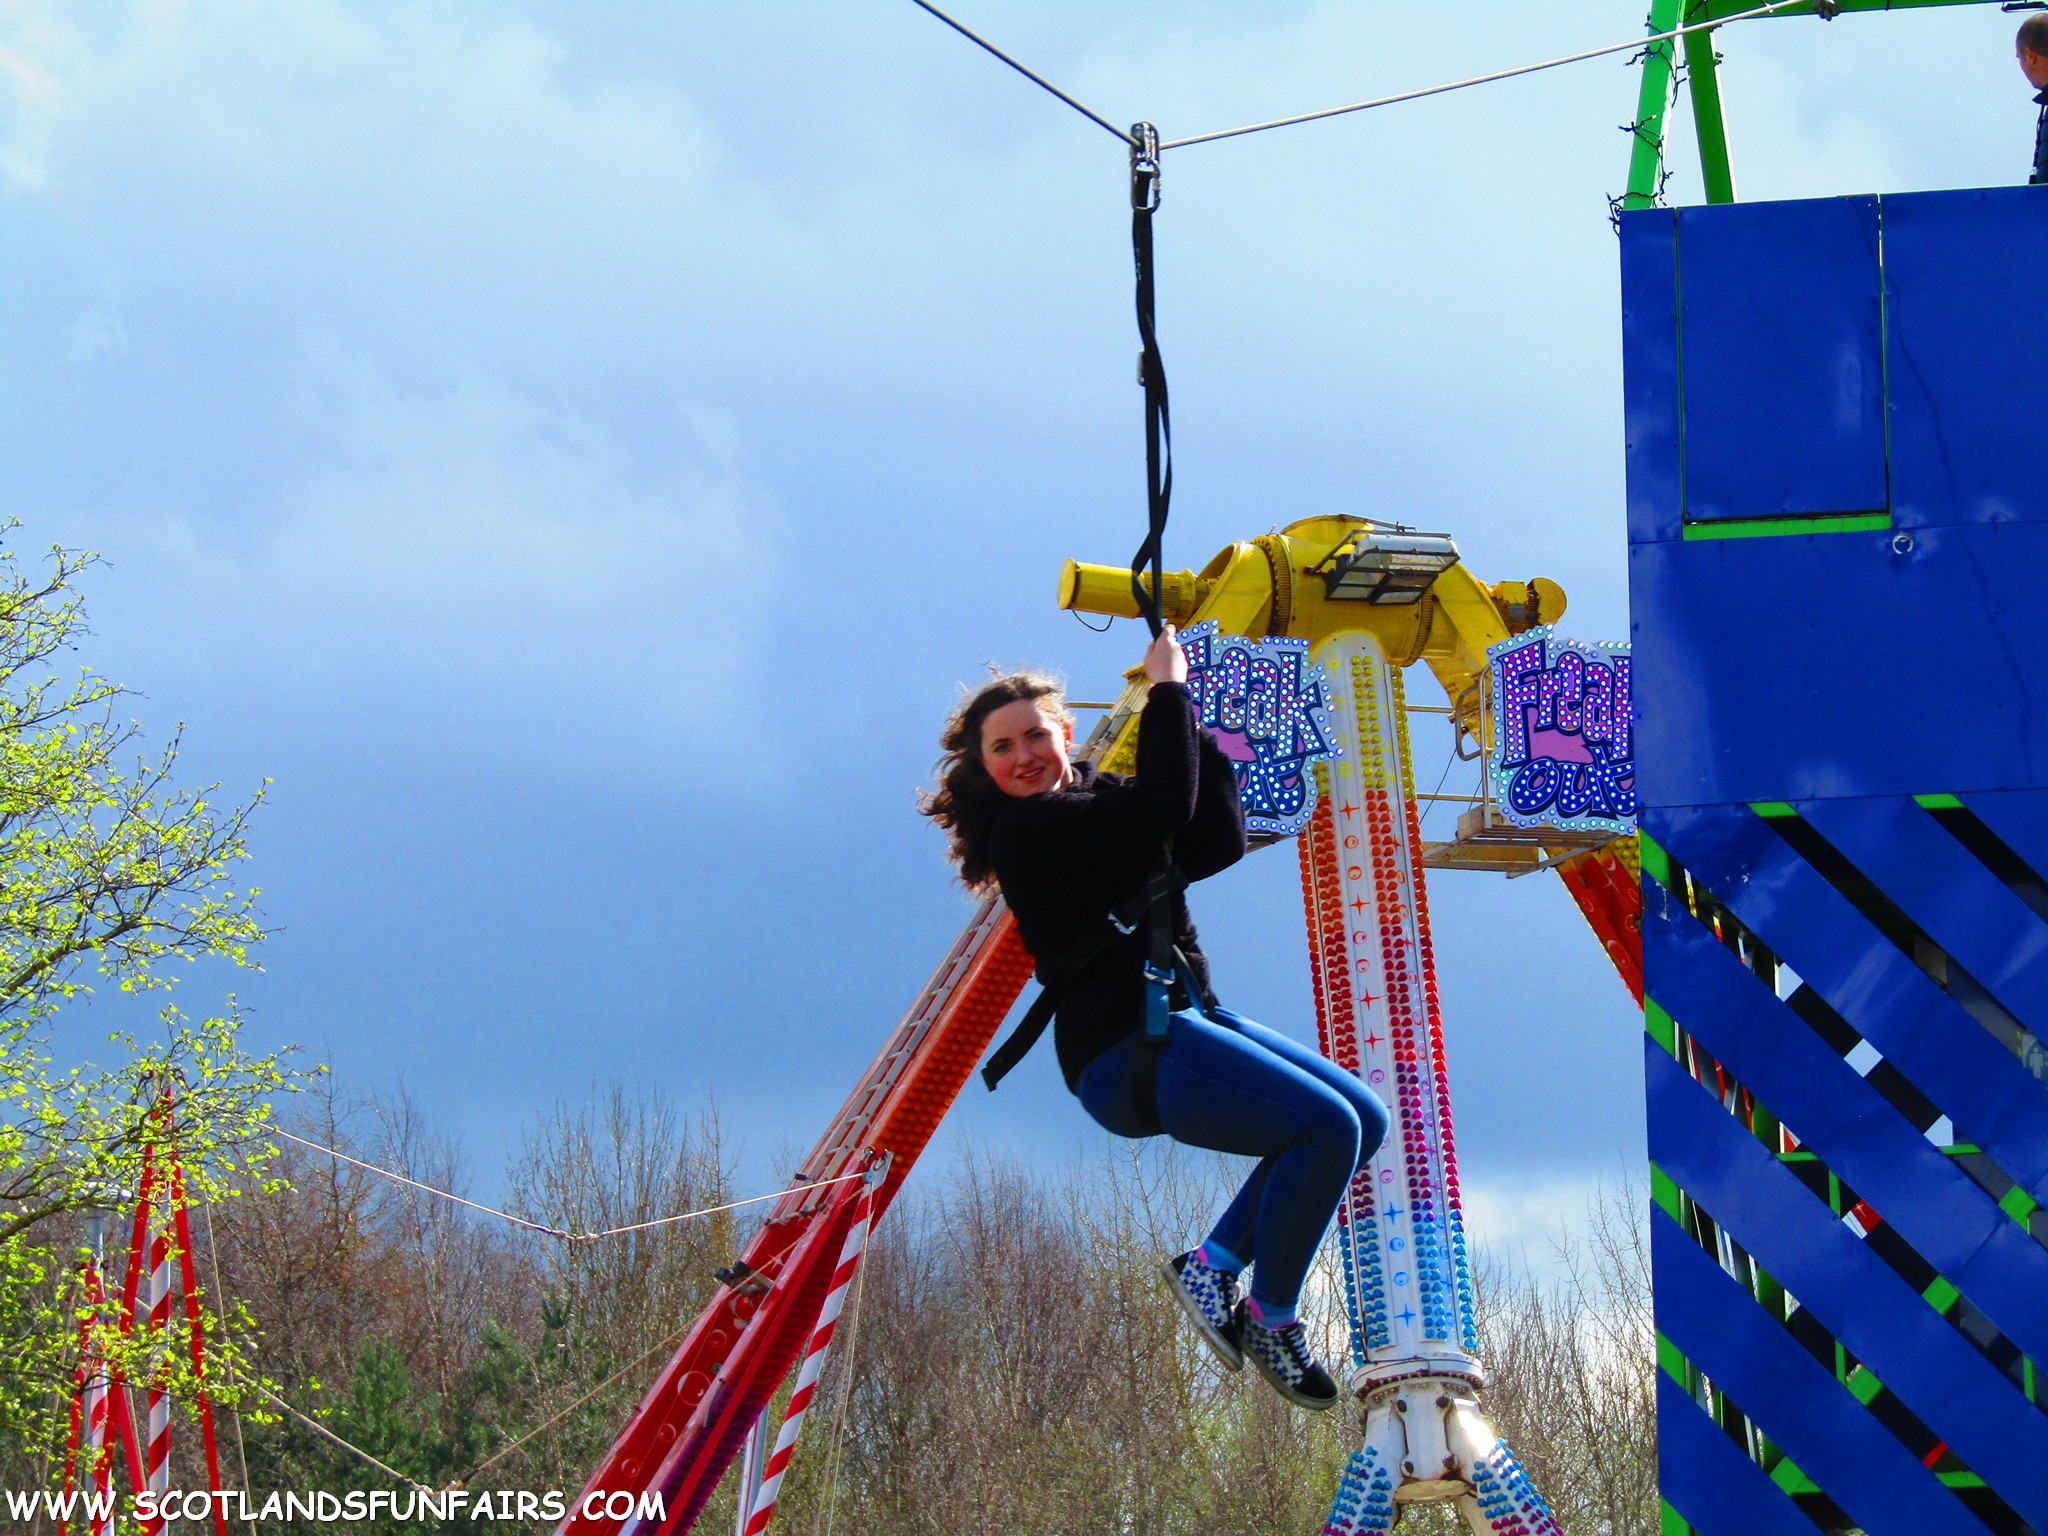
(1401, 1236)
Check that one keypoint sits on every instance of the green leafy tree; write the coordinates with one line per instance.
(113, 876)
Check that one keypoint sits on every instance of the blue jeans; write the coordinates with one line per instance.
(1229, 1085)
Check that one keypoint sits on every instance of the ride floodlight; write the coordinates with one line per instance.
(1385, 564)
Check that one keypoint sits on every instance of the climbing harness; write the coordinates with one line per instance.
(1152, 903)
(1151, 375)
(1164, 963)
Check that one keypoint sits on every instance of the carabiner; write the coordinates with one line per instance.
(1144, 167)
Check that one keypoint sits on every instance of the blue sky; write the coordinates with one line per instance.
(575, 452)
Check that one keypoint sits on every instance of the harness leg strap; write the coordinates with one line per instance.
(1150, 1046)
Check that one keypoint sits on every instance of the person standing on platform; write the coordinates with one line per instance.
(2032, 48)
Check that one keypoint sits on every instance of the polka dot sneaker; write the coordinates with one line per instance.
(1209, 1297)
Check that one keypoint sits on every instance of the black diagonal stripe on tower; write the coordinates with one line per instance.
(1992, 851)
(1990, 1097)
(1952, 897)
(1823, 1101)
(1933, 1370)
(1792, 1398)
(2019, 817)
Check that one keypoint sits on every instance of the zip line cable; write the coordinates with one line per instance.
(1770, 8)
(331, 1438)
(549, 1423)
(354, 1450)
(495, 1457)
(399, 1178)
(1035, 78)
(562, 1232)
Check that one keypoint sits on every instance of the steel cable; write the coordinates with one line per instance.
(1035, 78)
(1769, 8)
(561, 1232)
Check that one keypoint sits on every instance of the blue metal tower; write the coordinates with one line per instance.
(1837, 419)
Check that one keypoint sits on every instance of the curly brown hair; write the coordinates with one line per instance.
(966, 801)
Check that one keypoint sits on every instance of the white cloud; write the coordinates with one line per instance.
(30, 94)
(1524, 1222)
(345, 352)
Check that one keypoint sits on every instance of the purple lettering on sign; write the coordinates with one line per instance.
(1563, 733)
(1270, 712)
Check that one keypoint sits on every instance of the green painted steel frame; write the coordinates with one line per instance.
(1646, 168)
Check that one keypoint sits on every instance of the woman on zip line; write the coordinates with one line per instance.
(1067, 845)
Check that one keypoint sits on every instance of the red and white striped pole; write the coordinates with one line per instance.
(814, 1356)
(99, 1455)
(86, 1468)
(157, 1454)
(195, 1332)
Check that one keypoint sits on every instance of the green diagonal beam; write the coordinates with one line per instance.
(1704, 80)
(1654, 99)
(1653, 107)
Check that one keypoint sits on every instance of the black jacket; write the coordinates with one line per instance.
(2041, 141)
(1065, 858)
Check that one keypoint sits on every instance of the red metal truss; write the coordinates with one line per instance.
(1607, 884)
(693, 1419)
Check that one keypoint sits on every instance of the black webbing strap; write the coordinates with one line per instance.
(1032, 1025)
(1164, 964)
(1163, 961)
(1123, 920)
(1152, 375)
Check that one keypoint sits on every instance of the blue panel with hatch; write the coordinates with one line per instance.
(1876, 662)
(1967, 355)
(1836, 414)
(1804, 436)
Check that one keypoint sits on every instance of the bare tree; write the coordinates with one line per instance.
(1573, 1366)
(626, 1157)
(1010, 1358)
